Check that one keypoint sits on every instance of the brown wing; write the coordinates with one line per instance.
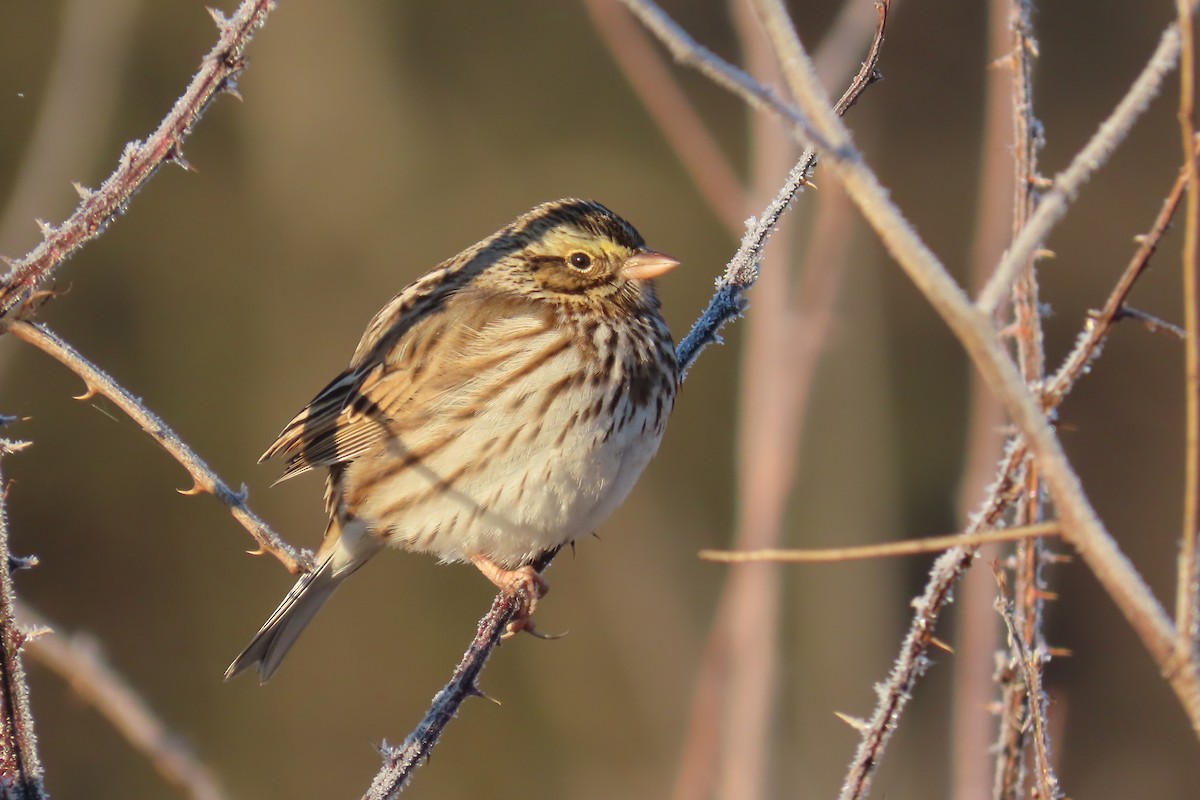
(406, 381)
(354, 411)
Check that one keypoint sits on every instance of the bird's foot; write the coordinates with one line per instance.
(526, 584)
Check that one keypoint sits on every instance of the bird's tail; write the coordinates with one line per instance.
(344, 552)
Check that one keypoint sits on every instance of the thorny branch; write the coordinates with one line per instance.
(21, 775)
(741, 273)
(727, 304)
(973, 328)
(1187, 589)
(911, 662)
(1053, 205)
(399, 763)
(218, 73)
(1022, 698)
(204, 478)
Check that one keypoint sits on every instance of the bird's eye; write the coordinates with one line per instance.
(579, 260)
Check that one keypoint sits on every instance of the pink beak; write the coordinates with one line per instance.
(647, 264)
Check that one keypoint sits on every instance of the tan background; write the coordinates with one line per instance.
(378, 137)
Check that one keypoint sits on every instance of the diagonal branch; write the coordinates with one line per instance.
(726, 304)
(1053, 205)
(896, 691)
(399, 763)
(973, 328)
(690, 139)
(204, 478)
(218, 73)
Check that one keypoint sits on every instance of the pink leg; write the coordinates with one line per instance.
(524, 583)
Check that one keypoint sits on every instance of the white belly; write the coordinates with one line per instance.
(509, 488)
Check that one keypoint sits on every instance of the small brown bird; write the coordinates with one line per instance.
(499, 407)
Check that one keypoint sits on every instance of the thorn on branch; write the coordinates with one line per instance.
(230, 87)
(90, 392)
(192, 491)
(176, 157)
(21, 562)
(857, 723)
(1151, 322)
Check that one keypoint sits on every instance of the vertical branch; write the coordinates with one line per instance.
(21, 775)
(1186, 591)
(976, 630)
(218, 73)
(690, 139)
(767, 428)
(1022, 701)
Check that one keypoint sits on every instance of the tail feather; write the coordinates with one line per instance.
(277, 635)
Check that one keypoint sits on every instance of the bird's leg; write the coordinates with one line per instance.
(525, 583)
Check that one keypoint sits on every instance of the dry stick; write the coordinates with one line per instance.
(1100, 323)
(976, 631)
(690, 139)
(1186, 588)
(204, 478)
(217, 73)
(1053, 205)
(973, 328)
(912, 547)
(1030, 665)
(21, 776)
(690, 53)
(1021, 696)
(911, 663)
(741, 272)
(749, 606)
(399, 763)
(725, 305)
(814, 294)
(78, 661)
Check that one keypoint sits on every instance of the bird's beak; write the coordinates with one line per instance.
(647, 264)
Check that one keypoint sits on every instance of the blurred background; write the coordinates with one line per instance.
(379, 137)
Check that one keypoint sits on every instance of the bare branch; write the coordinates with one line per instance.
(217, 73)
(78, 661)
(1053, 206)
(689, 137)
(400, 762)
(973, 328)
(1187, 588)
(1100, 323)
(1028, 664)
(976, 631)
(742, 270)
(688, 52)
(1021, 695)
(21, 776)
(204, 478)
(911, 547)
